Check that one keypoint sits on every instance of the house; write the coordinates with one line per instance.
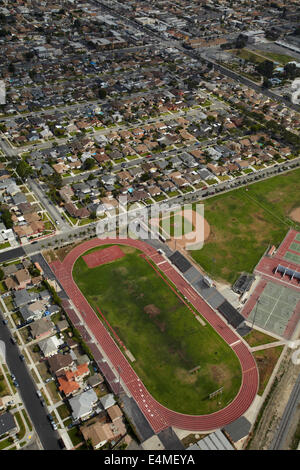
(59, 363)
(69, 381)
(41, 328)
(7, 424)
(242, 164)
(10, 284)
(32, 311)
(205, 174)
(83, 405)
(23, 278)
(114, 412)
(107, 401)
(50, 346)
(23, 297)
(66, 193)
(98, 433)
(95, 380)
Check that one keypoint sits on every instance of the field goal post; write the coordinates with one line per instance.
(215, 393)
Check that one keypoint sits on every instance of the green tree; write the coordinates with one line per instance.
(265, 68)
(23, 169)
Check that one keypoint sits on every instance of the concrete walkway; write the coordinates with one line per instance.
(268, 346)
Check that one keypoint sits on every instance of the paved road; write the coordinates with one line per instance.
(36, 187)
(294, 400)
(37, 412)
(11, 254)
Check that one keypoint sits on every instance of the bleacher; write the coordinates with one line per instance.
(180, 261)
(233, 317)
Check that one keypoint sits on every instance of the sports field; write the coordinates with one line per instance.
(175, 225)
(243, 224)
(162, 333)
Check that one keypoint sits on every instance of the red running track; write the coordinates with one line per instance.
(157, 415)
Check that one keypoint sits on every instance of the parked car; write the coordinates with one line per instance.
(12, 340)
(4, 322)
(43, 403)
(22, 358)
(39, 394)
(61, 443)
(50, 417)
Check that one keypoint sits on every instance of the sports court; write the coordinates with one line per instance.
(107, 255)
(295, 247)
(275, 308)
(293, 257)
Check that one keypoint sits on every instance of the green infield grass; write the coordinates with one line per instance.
(162, 334)
(176, 224)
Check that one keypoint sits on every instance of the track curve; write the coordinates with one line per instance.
(158, 415)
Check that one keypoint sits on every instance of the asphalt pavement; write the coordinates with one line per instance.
(37, 413)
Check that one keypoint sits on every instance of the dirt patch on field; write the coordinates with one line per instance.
(152, 310)
(295, 214)
(185, 377)
(128, 249)
(218, 373)
(122, 270)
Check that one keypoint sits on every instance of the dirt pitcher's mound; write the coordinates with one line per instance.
(295, 214)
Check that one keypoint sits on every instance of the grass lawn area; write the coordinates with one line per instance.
(132, 157)
(6, 442)
(248, 55)
(9, 303)
(20, 422)
(257, 338)
(30, 198)
(63, 411)
(281, 58)
(211, 181)
(243, 224)
(4, 390)
(173, 193)
(266, 361)
(2, 287)
(167, 342)
(53, 392)
(75, 436)
(43, 370)
(186, 189)
(27, 420)
(159, 198)
(4, 245)
(223, 177)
